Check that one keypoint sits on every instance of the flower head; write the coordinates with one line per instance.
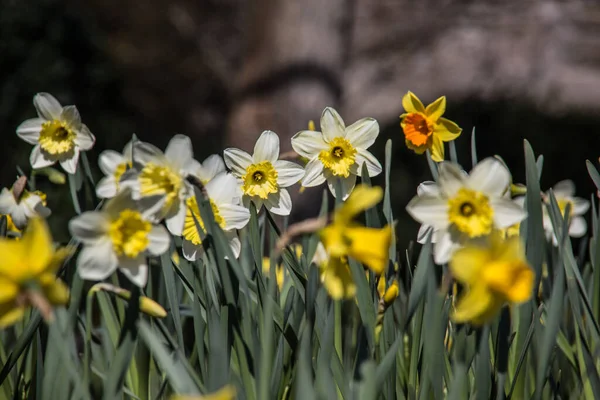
(264, 177)
(118, 236)
(424, 128)
(564, 192)
(113, 165)
(224, 195)
(338, 152)
(462, 206)
(28, 273)
(20, 204)
(57, 133)
(495, 271)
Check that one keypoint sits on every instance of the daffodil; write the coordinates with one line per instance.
(117, 236)
(425, 128)
(212, 166)
(263, 176)
(158, 180)
(564, 192)
(113, 165)
(28, 274)
(224, 195)
(338, 152)
(462, 206)
(20, 204)
(345, 238)
(57, 133)
(495, 272)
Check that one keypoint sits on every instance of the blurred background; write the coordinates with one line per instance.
(222, 71)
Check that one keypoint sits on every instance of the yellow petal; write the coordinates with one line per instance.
(362, 198)
(437, 149)
(509, 250)
(466, 263)
(435, 110)
(337, 279)
(446, 130)
(227, 392)
(8, 290)
(476, 306)
(391, 293)
(419, 149)
(54, 289)
(332, 237)
(370, 246)
(412, 104)
(13, 260)
(37, 243)
(380, 286)
(10, 313)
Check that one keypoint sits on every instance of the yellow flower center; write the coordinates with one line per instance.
(26, 194)
(260, 180)
(339, 157)
(160, 180)
(190, 232)
(417, 129)
(129, 233)
(56, 138)
(470, 212)
(562, 206)
(120, 170)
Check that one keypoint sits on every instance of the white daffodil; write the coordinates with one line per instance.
(158, 180)
(463, 206)
(264, 177)
(113, 165)
(564, 192)
(21, 205)
(118, 236)
(224, 195)
(57, 133)
(338, 152)
(208, 169)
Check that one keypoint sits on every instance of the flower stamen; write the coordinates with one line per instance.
(470, 212)
(56, 138)
(129, 233)
(260, 180)
(339, 157)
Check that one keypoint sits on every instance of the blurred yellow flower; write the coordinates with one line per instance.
(147, 305)
(424, 128)
(28, 274)
(227, 392)
(495, 271)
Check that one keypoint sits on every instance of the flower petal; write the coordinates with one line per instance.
(237, 160)
(159, 240)
(564, 188)
(446, 130)
(234, 243)
(191, 251)
(179, 151)
(313, 173)
(466, 264)
(506, 212)
(279, 203)
(106, 187)
(476, 306)
(429, 188)
(362, 133)
(429, 210)
(578, 227)
(236, 217)
(288, 173)
(109, 160)
(266, 147)
(70, 164)
(144, 153)
(347, 185)
(332, 124)
(47, 106)
(423, 233)
(84, 139)
(412, 104)
(437, 149)
(451, 178)
(363, 197)
(7, 201)
(71, 116)
(175, 222)
(443, 247)
(366, 157)
(29, 130)
(89, 227)
(224, 189)
(436, 109)
(308, 144)
(490, 176)
(211, 167)
(580, 206)
(97, 261)
(39, 158)
(135, 269)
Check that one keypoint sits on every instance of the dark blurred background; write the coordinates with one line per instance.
(222, 71)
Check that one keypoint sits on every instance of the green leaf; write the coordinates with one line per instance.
(419, 282)
(171, 290)
(473, 148)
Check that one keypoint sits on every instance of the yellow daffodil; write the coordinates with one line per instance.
(338, 152)
(263, 176)
(564, 192)
(118, 236)
(462, 206)
(28, 273)
(21, 204)
(425, 128)
(346, 238)
(57, 133)
(495, 272)
(227, 392)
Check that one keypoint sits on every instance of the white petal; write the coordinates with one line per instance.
(564, 188)
(332, 124)
(424, 233)
(71, 116)
(179, 151)
(429, 210)
(490, 176)
(280, 203)
(70, 164)
(578, 227)
(39, 158)
(266, 147)
(443, 248)
(191, 251)
(7, 201)
(109, 160)
(236, 245)
(29, 130)
(84, 139)
(89, 227)
(19, 216)
(224, 189)
(580, 206)
(159, 240)
(308, 144)
(237, 160)
(106, 187)
(313, 173)
(33, 206)
(176, 221)
(428, 188)
(288, 173)
(373, 165)
(97, 262)
(347, 185)
(451, 178)
(236, 217)
(362, 133)
(47, 106)
(506, 212)
(135, 269)
(258, 202)
(144, 153)
(211, 167)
